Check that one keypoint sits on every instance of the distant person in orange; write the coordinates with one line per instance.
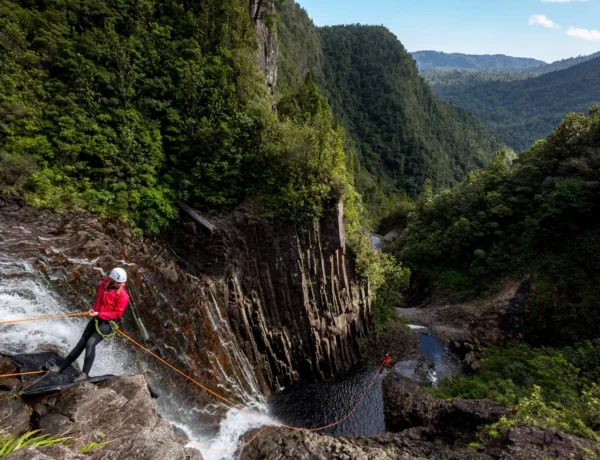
(387, 361)
(111, 302)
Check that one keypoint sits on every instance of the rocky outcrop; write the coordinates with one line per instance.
(471, 325)
(428, 428)
(263, 16)
(534, 443)
(291, 295)
(118, 412)
(418, 444)
(14, 416)
(407, 405)
(281, 443)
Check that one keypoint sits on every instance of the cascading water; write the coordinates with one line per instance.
(26, 292)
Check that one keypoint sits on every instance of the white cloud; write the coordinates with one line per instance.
(562, 1)
(584, 34)
(541, 20)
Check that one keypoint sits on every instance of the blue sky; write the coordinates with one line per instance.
(543, 29)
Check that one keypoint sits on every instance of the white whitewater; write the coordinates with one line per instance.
(25, 293)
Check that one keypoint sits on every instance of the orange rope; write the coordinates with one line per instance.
(257, 414)
(41, 318)
(22, 373)
(218, 449)
(222, 398)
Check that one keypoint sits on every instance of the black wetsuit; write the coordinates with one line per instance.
(89, 340)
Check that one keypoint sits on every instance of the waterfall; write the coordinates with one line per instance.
(27, 291)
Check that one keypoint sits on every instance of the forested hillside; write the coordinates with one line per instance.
(564, 64)
(301, 47)
(404, 134)
(464, 74)
(537, 217)
(521, 112)
(120, 107)
(436, 59)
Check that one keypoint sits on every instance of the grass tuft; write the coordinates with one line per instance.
(10, 443)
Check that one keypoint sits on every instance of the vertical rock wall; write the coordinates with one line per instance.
(262, 13)
(291, 295)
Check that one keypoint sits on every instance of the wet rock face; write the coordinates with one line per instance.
(118, 410)
(9, 383)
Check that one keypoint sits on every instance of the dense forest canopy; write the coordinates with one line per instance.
(122, 106)
(404, 134)
(537, 216)
(521, 107)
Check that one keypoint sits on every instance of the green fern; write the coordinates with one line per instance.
(93, 446)
(9, 443)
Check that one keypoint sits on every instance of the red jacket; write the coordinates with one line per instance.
(110, 303)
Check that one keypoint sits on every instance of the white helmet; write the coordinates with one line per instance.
(119, 275)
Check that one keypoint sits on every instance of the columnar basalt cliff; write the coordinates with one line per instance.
(291, 295)
(251, 307)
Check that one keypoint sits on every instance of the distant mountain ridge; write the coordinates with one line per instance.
(566, 63)
(432, 64)
(437, 59)
(521, 112)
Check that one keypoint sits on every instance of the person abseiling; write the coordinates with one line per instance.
(387, 361)
(110, 304)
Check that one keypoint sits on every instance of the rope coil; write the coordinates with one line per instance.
(113, 330)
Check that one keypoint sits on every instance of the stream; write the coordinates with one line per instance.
(318, 404)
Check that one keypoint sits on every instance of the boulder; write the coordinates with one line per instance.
(407, 405)
(118, 411)
(14, 416)
(9, 383)
(48, 453)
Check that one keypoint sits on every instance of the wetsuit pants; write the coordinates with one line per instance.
(89, 340)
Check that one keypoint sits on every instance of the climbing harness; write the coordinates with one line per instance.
(113, 330)
(116, 330)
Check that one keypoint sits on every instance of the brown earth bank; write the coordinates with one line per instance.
(490, 321)
(469, 326)
(119, 412)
